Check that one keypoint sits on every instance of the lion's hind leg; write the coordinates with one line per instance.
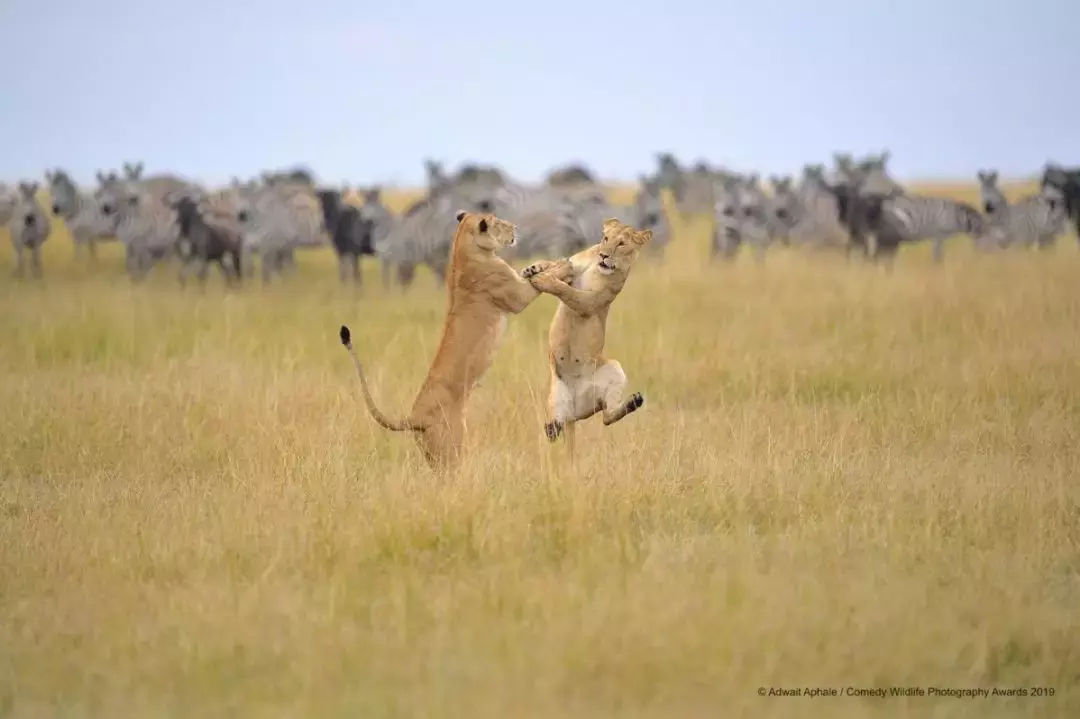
(560, 408)
(610, 383)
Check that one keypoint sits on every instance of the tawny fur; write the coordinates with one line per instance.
(583, 380)
(483, 290)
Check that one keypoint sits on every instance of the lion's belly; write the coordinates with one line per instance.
(576, 343)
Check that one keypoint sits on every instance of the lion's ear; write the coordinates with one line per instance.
(611, 222)
(482, 225)
(642, 237)
(461, 215)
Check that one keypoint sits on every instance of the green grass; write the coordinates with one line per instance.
(840, 478)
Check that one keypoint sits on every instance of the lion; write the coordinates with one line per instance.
(583, 381)
(483, 291)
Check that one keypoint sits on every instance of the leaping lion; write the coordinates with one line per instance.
(483, 290)
(583, 381)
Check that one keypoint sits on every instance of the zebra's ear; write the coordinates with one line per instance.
(461, 215)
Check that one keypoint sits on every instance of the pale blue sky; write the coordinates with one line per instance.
(363, 91)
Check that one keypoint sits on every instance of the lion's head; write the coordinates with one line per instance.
(620, 246)
(485, 231)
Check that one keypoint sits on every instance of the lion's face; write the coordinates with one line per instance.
(488, 231)
(620, 246)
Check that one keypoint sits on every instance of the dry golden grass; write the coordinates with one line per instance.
(840, 478)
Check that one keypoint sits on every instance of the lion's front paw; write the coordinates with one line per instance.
(534, 269)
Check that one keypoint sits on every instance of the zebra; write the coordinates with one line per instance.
(874, 177)
(382, 222)
(143, 223)
(570, 176)
(275, 220)
(29, 226)
(206, 243)
(1067, 182)
(694, 191)
(481, 174)
(298, 175)
(1033, 220)
(165, 187)
(80, 212)
(809, 213)
(906, 218)
(647, 213)
(425, 233)
(740, 215)
(9, 197)
(350, 233)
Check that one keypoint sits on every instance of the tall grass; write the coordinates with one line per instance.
(840, 478)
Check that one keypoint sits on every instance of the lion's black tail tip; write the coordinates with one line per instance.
(346, 336)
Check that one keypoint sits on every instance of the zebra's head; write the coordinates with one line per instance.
(873, 175)
(27, 212)
(332, 204)
(133, 171)
(1053, 196)
(785, 204)
(436, 176)
(9, 198)
(63, 192)
(813, 174)
(113, 199)
(972, 220)
(993, 199)
(648, 204)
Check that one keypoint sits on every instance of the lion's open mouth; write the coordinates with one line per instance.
(606, 265)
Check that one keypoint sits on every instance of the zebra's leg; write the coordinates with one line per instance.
(181, 277)
(732, 242)
(20, 261)
(129, 261)
(343, 267)
(247, 261)
(231, 267)
(405, 272)
(885, 253)
(146, 263)
(269, 259)
(357, 271)
(1046, 242)
(384, 267)
(35, 260)
(286, 262)
(939, 250)
(759, 250)
(203, 271)
(438, 268)
(91, 248)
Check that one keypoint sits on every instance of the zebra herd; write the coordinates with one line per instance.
(855, 207)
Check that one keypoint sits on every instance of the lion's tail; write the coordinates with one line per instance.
(399, 425)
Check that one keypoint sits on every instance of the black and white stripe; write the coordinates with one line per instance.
(1067, 182)
(277, 220)
(1035, 220)
(80, 212)
(145, 225)
(29, 226)
(741, 215)
(912, 218)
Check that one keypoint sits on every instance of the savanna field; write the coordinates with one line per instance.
(840, 478)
